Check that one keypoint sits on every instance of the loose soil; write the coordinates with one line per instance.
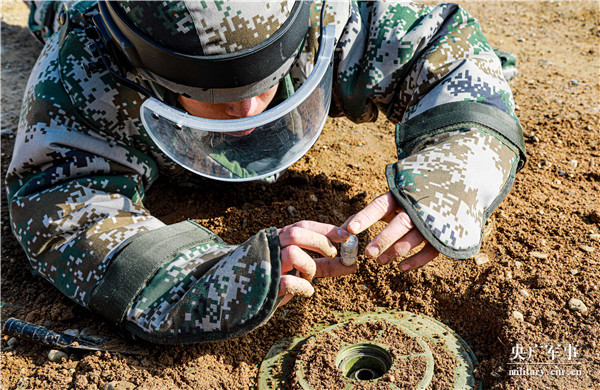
(544, 249)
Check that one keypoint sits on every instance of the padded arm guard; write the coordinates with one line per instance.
(457, 163)
(182, 284)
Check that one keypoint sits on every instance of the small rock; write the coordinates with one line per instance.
(575, 82)
(542, 282)
(538, 255)
(23, 384)
(481, 258)
(119, 385)
(56, 356)
(313, 198)
(595, 236)
(587, 248)
(573, 163)
(577, 305)
(524, 293)
(518, 264)
(292, 211)
(517, 315)
(12, 341)
(562, 173)
(574, 271)
(508, 275)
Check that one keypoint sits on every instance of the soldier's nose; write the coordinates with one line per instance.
(243, 108)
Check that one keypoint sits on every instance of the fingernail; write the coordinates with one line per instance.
(354, 227)
(343, 234)
(404, 267)
(372, 251)
(383, 259)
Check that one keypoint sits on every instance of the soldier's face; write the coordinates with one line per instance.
(232, 110)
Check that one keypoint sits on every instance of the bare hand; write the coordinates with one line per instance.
(316, 237)
(397, 239)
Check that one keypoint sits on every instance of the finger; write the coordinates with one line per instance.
(285, 300)
(293, 285)
(395, 230)
(376, 210)
(418, 260)
(400, 248)
(333, 267)
(293, 257)
(332, 232)
(307, 239)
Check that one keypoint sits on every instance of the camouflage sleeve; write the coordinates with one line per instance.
(433, 73)
(75, 186)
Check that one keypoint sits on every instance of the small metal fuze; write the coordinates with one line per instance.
(349, 250)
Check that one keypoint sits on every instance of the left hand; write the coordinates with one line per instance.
(397, 239)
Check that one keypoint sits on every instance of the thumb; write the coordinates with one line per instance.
(293, 285)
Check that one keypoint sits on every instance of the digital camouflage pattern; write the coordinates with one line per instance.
(83, 161)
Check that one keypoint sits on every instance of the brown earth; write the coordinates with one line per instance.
(544, 249)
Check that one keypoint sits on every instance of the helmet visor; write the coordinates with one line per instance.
(249, 148)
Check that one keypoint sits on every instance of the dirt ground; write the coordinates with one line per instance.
(544, 249)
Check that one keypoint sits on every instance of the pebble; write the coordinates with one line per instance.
(508, 275)
(313, 198)
(524, 293)
(540, 281)
(518, 315)
(573, 163)
(574, 271)
(587, 248)
(292, 211)
(12, 341)
(577, 305)
(56, 356)
(574, 82)
(538, 255)
(481, 258)
(562, 173)
(119, 385)
(518, 264)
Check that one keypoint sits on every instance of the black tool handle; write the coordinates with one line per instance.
(36, 333)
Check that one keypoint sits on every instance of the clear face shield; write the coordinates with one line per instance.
(249, 148)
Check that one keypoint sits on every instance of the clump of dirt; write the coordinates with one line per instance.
(543, 252)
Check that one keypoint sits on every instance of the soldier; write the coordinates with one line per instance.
(239, 91)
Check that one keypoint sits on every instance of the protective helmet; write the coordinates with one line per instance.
(222, 52)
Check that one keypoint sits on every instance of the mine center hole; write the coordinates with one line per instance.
(363, 361)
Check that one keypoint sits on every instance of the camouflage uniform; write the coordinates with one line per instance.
(83, 160)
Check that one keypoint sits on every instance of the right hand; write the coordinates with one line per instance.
(316, 237)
